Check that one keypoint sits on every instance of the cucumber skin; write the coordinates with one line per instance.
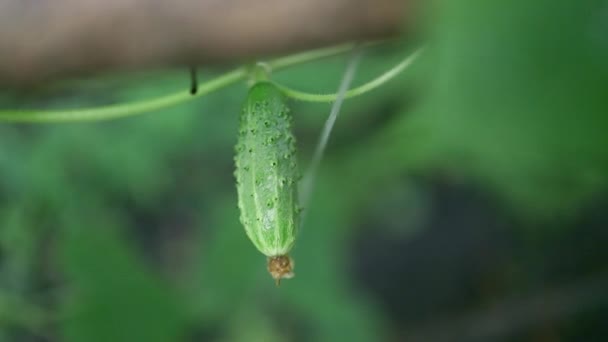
(266, 171)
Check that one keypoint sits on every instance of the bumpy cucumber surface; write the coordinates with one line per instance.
(266, 175)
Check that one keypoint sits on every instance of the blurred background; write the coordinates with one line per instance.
(463, 201)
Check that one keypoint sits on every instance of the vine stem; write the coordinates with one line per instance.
(307, 56)
(354, 92)
(121, 110)
(141, 107)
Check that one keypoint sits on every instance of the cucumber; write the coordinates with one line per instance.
(266, 176)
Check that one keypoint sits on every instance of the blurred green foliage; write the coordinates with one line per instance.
(128, 230)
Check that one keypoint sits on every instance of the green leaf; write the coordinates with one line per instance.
(519, 101)
(115, 297)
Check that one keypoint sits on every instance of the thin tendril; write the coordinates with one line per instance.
(360, 90)
(309, 177)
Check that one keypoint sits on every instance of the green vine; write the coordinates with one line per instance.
(222, 81)
(121, 110)
(354, 92)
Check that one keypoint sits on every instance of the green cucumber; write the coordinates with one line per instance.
(266, 176)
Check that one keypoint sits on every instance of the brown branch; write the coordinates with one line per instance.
(42, 39)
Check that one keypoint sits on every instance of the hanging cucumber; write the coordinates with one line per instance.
(266, 175)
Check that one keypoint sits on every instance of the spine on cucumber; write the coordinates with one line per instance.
(266, 174)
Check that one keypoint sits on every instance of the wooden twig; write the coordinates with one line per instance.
(40, 40)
